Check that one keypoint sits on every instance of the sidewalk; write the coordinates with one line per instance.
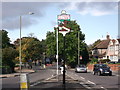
(57, 84)
(17, 73)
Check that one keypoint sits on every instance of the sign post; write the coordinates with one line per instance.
(63, 30)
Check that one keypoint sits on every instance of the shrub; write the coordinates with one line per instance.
(94, 61)
(104, 60)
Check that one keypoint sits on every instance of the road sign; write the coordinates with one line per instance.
(80, 57)
(64, 30)
(63, 17)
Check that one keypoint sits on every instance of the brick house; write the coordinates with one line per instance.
(119, 50)
(107, 49)
(112, 51)
(100, 50)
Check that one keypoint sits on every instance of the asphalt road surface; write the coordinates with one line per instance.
(46, 78)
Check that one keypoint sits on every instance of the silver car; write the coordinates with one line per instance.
(81, 68)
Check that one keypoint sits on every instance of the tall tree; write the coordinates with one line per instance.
(8, 52)
(5, 39)
(71, 43)
(31, 48)
(8, 57)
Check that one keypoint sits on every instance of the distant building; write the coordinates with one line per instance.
(112, 51)
(107, 49)
(119, 50)
(99, 51)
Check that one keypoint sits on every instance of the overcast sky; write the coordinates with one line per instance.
(96, 19)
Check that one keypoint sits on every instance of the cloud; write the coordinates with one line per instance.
(11, 11)
(93, 8)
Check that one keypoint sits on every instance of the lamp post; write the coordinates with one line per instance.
(78, 49)
(20, 58)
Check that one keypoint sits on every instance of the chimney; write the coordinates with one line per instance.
(108, 37)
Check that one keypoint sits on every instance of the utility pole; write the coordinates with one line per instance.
(78, 49)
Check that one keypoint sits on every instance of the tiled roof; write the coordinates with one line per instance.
(103, 44)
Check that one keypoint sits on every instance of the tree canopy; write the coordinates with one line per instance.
(71, 43)
(30, 47)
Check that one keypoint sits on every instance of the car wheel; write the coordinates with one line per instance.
(110, 74)
(99, 73)
(76, 71)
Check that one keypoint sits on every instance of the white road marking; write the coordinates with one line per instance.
(83, 84)
(71, 77)
(91, 82)
(103, 88)
(117, 75)
(36, 83)
(82, 77)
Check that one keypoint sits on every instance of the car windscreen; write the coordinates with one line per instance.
(81, 66)
(103, 66)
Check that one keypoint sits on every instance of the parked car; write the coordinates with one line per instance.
(102, 69)
(112, 62)
(81, 68)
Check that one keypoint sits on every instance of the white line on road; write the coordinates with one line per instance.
(83, 84)
(34, 84)
(82, 77)
(91, 82)
(103, 88)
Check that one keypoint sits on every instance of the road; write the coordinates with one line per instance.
(87, 80)
(40, 74)
(94, 81)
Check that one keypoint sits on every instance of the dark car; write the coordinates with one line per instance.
(102, 69)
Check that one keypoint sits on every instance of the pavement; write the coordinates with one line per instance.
(25, 70)
(56, 83)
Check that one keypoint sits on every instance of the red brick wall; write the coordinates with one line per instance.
(114, 67)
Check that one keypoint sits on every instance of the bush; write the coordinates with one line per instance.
(5, 69)
(104, 60)
(94, 61)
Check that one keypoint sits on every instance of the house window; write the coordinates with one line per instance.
(116, 47)
(95, 52)
(111, 57)
(112, 48)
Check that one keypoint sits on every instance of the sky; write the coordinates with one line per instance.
(96, 19)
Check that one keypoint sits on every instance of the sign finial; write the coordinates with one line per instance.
(63, 12)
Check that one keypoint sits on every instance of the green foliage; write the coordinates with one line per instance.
(51, 44)
(8, 56)
(30, 48)
(94, 61)
(104, 60)
(71, 44)
(5, 39)
(7, 53)
(94, 44)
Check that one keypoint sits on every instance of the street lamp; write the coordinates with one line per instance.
(78, 49)
(30, 13)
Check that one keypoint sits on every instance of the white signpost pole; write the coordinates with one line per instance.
(63, 30)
